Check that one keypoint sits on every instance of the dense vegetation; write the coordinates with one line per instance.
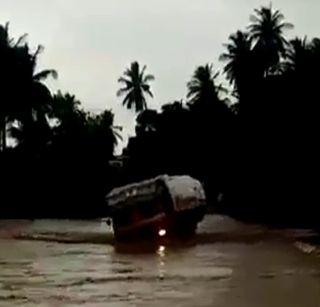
(253, 142)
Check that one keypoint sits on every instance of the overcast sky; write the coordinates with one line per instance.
(91, 42)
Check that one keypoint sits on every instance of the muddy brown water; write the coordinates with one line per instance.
(229, 264)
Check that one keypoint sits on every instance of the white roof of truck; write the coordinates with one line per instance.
(185, 191)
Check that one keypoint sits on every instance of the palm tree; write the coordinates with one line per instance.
(202, 88)
(239, 61)
(69, 122)
(147, 122)
(112, 133)
(23, 96)
(101, 136)
(136, 85)
(266, 31)
(31, 78)
(8, 63)
(66, 109)
(315, 49)
(33, 103)
(315, 45)
(74, 128)
(298, 56)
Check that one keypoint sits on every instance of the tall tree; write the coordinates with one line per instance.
(68, 117)
(136, 86)
(239, 63)
(202, 88)
(78, 131)
(266, 31)
(8, 78)
(103, 134)
(147, 122)
(299, 55)
(34, 100)
(23, 96)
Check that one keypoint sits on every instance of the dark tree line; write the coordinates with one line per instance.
(58, 165)
(254, 142)
(260, 152)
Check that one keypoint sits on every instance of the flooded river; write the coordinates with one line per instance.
(229, 264)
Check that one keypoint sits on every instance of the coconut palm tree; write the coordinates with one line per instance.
(147, 122)
(112, 133)
(33, 102)
(64, 104)
(66, 113)
(23, 95)
(298, 56)
(32, 79)
(315, 45)
(202, 88)
(8, 75)
(136, 86)
(266, 31)
(315, 49)
(77, 130)
(239, 61)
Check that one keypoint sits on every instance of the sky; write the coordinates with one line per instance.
(90, 43)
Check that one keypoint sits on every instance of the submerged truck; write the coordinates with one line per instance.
(159, 207)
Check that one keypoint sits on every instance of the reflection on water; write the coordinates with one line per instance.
(161, 265)
(161, 251)
(77, 263)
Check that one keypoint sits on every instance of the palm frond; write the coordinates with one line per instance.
(45, 74)
(121, 92)
(149, 93)
(39, 50)
(127, 100)
(21, 40)
(148, 78)
(127, 82)
(141, 74)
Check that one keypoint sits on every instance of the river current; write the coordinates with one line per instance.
(227, 264)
